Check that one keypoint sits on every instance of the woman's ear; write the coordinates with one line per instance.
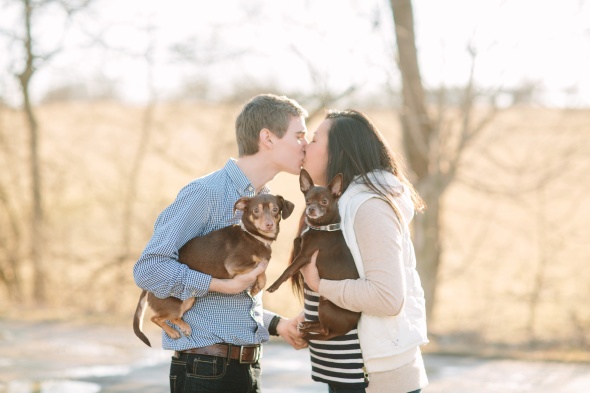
(265, 138)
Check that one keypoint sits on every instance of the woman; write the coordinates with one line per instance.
(383, 354)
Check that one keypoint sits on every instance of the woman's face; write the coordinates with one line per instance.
(316, 154)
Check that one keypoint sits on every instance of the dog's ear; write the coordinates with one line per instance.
(305, 182)
(287, 208)
(242, 204)
(335, 186)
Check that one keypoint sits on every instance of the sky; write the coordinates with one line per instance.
(308, 45)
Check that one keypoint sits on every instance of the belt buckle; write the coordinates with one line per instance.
(256, 355)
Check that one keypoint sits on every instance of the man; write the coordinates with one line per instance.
(270, 133)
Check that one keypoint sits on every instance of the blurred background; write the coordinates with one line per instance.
(108, 108)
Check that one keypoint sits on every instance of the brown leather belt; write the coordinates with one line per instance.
(246, 354)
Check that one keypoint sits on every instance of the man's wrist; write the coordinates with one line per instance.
(223, 285)
(216, 285)
(272, 326)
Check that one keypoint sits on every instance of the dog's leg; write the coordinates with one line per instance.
(295, 251)
(309, 327)
(186, 305)
(239, 264)
(259, 284)
(161, 322)
(314, 330)
(184, 327)
(333, 321)
(299, 261)
(170, 309)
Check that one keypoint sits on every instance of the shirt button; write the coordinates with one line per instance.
(250, 188)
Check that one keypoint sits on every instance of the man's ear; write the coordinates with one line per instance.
(265, 138)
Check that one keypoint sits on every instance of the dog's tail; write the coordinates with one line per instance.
(138, 318)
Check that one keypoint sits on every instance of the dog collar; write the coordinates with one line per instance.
(327, 228)
(267, 242)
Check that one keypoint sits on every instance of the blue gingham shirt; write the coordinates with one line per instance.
(204, 205)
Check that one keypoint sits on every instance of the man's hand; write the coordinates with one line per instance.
(239, 283)
(310, 273)
(287, 329)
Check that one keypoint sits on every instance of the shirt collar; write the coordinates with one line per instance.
(240, 181)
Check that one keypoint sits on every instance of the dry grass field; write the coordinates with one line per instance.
(515, 269)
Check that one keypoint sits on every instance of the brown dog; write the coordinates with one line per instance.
(334, 261)
(223, 253)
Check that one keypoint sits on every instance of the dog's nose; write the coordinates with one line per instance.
(311, 210)
(269, 225)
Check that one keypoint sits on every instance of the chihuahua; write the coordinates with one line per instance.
(334, 261)
(223, 253)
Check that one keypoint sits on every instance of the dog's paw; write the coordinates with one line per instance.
(254, 291)
(184, 327)
(308, 326)
(174, 335)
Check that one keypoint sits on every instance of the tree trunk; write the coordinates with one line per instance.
(427, 244)
(37, 219)
(10, 221)
(418, 134)
(10, 240)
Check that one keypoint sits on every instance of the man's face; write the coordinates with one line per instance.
(289, 151)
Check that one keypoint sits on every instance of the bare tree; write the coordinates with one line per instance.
(37, 219)
(33, 60)
(433, 149)
(10, 220)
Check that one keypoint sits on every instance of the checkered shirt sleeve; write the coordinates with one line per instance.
(202, 206)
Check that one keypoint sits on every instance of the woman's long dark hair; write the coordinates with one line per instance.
(356, 148)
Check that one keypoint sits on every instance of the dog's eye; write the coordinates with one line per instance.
(306, 201)
(275, 210)
(256, 210)
(324, 202)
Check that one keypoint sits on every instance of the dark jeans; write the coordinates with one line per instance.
(190, 373)
(333, 389)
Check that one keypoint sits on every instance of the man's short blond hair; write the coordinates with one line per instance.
(264, 111)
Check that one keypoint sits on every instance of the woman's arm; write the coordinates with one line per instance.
(379, 238)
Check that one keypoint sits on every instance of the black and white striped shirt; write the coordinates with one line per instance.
(337, 361)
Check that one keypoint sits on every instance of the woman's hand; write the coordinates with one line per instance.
(310, 273)
(239, 283)
(287, 329)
